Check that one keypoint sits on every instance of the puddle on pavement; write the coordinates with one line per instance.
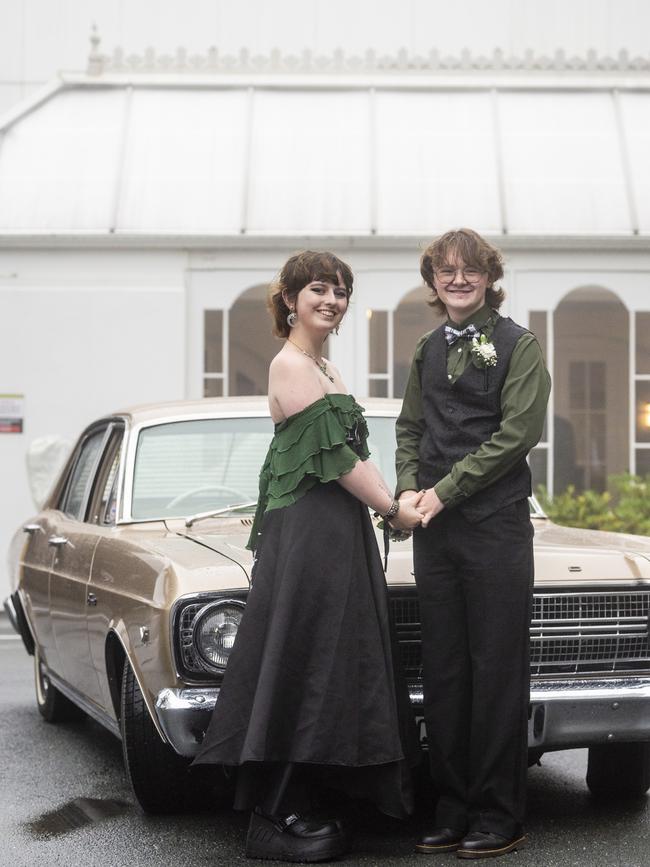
(75, 814)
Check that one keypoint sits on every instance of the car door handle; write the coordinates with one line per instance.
(91, 599)
(32, 528)
(57, 541)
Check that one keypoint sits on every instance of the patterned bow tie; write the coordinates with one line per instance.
(453, 334)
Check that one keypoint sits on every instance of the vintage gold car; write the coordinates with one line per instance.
(129, 585)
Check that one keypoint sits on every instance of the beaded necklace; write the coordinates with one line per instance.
(319, 364)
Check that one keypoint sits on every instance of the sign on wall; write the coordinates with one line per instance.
(12, 412)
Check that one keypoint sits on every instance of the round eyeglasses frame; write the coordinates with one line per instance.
(469, 275)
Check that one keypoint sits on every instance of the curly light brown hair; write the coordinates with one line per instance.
(473, 250)
(296, 273)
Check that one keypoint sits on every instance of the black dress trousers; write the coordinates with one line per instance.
(475, 584)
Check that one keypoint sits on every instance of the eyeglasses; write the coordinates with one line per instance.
(447, 275)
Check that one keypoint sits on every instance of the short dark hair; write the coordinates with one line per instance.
(296, 273)
(473, 250)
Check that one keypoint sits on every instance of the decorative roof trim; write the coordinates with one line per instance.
(208, 244)
(338, 62)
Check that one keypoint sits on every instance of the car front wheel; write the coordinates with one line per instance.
(162, 781)
(53, 706)
(619, 770)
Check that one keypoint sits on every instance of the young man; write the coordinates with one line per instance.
(474, 407)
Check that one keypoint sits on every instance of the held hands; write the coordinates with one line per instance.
(409, 515)
(430, 505)
(427, 502)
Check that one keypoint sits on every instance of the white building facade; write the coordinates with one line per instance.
(146, 204)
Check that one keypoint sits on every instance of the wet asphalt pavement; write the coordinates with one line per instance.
(65, 801)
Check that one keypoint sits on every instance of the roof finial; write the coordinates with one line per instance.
(95, 58)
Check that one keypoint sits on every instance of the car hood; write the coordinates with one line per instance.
(562, 554)
(568, 553)
(228, 537)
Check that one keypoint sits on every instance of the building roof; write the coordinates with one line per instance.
(226, 148)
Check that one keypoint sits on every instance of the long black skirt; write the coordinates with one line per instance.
(312, 676)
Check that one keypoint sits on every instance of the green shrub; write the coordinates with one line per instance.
(623, 508)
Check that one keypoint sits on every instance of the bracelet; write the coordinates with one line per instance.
(393, 510)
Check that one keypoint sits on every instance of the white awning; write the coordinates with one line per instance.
(172, 157)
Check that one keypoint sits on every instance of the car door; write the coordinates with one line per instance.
(103, 590)
(36, 565)
(74, 539)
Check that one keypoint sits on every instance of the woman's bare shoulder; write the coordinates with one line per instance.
(293, 385)
(285, 361)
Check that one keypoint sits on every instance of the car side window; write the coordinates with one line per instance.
(103, 501)
(75, 493)
(108, 506)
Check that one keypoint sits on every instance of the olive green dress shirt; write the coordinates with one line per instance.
(523, 408)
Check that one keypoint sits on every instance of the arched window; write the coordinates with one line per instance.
(392, 337)
(238, 346)
(641, 385)
(413, 318)
(591, 437)
(251, 343)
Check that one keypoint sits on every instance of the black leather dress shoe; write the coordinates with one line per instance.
(485, 844)
(439, 840)
(294, 838)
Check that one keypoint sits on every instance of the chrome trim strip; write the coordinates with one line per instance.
(589, 590)
(563, 690)
(610, 689)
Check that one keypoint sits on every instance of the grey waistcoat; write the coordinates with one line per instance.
(461, 416)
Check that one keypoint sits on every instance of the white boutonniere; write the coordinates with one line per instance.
(483, 352)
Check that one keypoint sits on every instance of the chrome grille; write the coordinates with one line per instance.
(589, 632)
(571, 633)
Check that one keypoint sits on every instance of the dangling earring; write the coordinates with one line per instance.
(336, 330)
(292, 318)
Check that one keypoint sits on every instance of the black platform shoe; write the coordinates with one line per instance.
(294, 838)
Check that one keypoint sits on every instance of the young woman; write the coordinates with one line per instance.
(309, 694)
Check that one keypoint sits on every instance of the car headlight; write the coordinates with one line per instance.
(214, 631)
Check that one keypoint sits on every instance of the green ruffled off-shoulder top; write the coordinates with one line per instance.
(320, 443)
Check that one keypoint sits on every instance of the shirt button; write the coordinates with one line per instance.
(460, 349)
(449, 376)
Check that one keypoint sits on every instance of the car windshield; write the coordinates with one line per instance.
(187, 467)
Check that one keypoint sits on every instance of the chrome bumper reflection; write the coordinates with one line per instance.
(184, 715)
(562, 713)
(585, 712)
(580, 713)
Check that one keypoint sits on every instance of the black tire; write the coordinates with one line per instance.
(619, 770)
(53, 706)
(162, 781)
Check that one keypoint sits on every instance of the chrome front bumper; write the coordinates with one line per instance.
(582, 713)
(184, 715)
(562, 714)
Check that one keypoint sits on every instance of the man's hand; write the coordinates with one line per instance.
(430, 505)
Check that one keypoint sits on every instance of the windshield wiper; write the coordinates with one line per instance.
(201, 516)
